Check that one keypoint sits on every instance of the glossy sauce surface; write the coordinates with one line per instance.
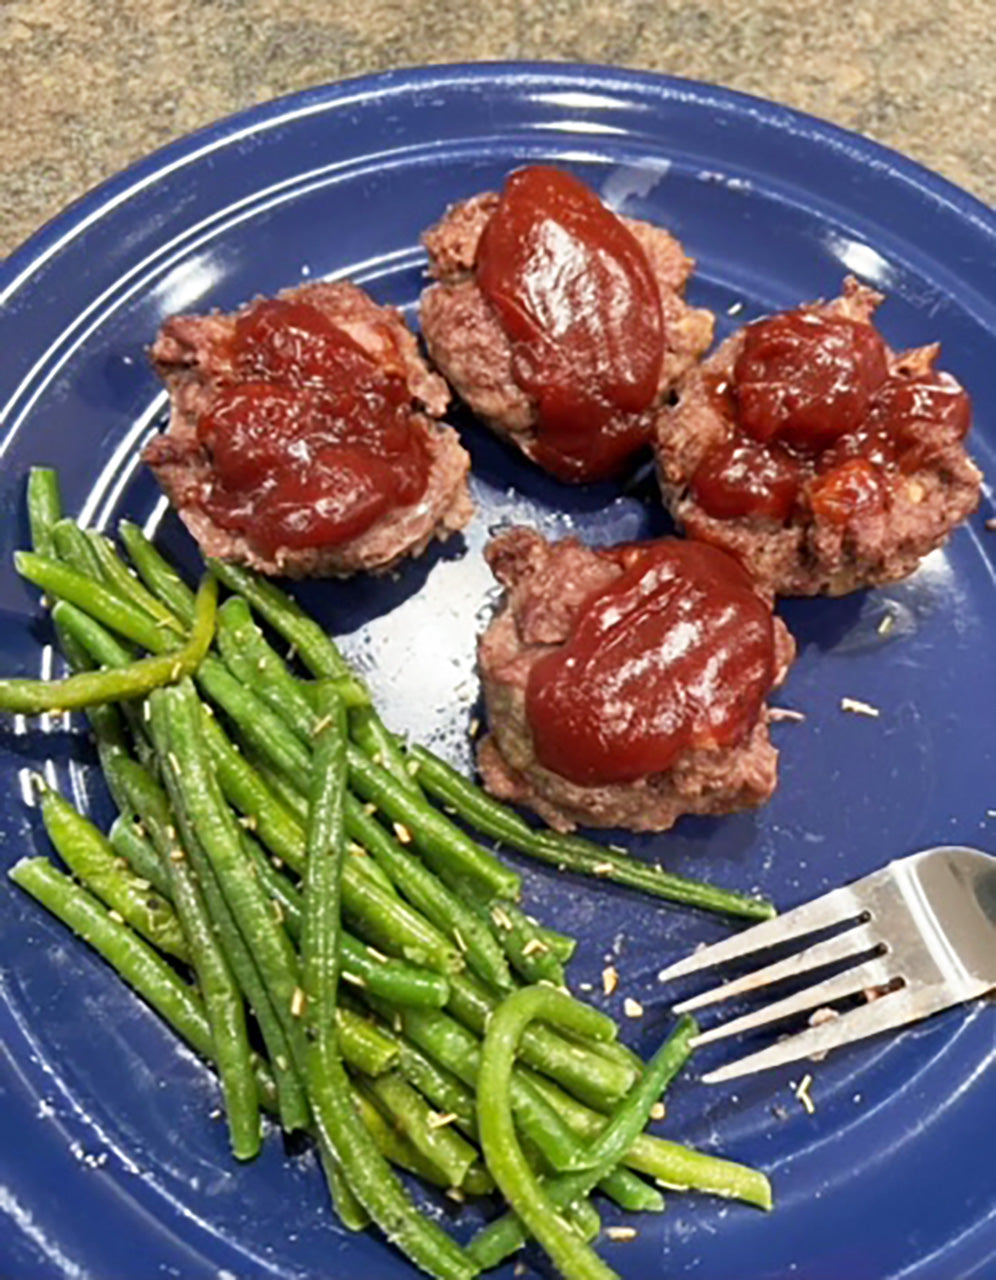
(310, 439)
(677, 653)
(575, 294)
(819, 421)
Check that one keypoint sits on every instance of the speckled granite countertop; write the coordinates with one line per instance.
(90, 85)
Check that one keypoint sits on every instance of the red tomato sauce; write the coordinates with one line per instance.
(677, 653)
(819, 420)
(310, 438)
(574, 292)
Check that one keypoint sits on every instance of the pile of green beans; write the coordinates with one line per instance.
(282, 887)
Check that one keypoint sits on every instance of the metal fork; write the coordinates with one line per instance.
(923, 929)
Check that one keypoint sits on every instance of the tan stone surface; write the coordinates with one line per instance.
(88, 85)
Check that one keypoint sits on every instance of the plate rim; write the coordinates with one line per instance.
(73, 219)
(62, 229)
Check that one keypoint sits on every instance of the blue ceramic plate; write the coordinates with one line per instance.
(110, 1163)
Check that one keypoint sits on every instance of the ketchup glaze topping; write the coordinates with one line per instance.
(820, 421)
(575, 295)
(677, 652)
(310, 439)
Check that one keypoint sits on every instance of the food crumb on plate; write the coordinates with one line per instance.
(801, 1091)
(610, 979)
(778, 714)
(621, 1233)
(859, 708)
(632, 1008)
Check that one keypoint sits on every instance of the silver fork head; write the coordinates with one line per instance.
(923, 929)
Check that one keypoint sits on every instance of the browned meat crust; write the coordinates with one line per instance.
(191, 355)
(809, 556)
(468, 344)
(546, 584)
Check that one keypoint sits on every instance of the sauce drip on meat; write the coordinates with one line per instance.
(310, 438)
(577, 299)
(678, 652)
(819, 419)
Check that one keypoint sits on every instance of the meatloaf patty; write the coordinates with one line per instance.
(547, 585)
(867, 508)
(193, 355)
(468, 343)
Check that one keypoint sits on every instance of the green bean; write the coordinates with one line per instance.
(377, 913)
(63, 582)
(72, 546)
(135, 961)
(587, 1074)
(319, 654)
(297, 806)
(105, 720)
(393, 980)
(392, 1145)
(537, 1205)
(506, 1162)
(631, 1193)
(249, 656)
(669, 1163)
(44, 508)
(446, 1093)
(224, 1007)
(280, 785)
(428, 1131)
(528, 951)
(584, 1217)
(339, 1128)
(434, 835)
(87, 853)
(429, 895)
(116, 575)
(392, 926)
(157, 573)
(247, 792)
(287, 618)
(368, 732)
(88, 643)
(102, 647)
(138, 678)
(451, 1096)
(421, 943)
(573, 853)
(222, 998)
(140, 966)
(459, 1051)
(258, 726)
(158, 818)
(363, 1044)
(361, 860)
(218, 835)
(129, 842)
(561, 944)
(345, 1205)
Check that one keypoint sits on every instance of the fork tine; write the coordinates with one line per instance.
(833, 908)
(873, 974)
(891, 1010)
(843, 947)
